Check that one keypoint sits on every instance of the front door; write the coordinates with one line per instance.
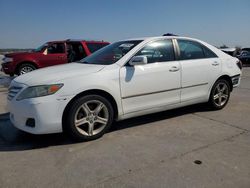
(54, 54)
(152, 85)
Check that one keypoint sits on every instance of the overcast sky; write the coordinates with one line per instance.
(29, 23)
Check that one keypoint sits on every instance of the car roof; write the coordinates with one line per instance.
(228, 49)
(246, 49)
(160, 37)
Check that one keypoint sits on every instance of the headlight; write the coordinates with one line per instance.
(39, 91)
(7, 59)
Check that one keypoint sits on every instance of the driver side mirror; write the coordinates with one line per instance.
(138, 60)
(45, 52)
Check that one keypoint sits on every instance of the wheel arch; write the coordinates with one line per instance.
(227, 78)
(100, 92)
(25, 62)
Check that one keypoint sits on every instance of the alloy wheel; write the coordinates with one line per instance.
(26, 69)
(91, 118)
(221, 94)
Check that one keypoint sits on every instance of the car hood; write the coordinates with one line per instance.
(54, 74)
(16, 54)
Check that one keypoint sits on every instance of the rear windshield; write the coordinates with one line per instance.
(95, 46)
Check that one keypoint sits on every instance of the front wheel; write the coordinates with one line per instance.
(88, 118)
(220, 94)
(25, 68)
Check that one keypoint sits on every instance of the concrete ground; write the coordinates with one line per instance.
(187, 147)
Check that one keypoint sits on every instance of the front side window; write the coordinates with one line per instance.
(56, 48)
(158, 51)
(41, 48)
(111, 54)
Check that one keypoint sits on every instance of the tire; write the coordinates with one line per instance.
(25, 68)
(88, 118)
(219, 95)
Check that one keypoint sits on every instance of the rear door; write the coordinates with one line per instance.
(75, 51)
(54, 54)
(200, 68)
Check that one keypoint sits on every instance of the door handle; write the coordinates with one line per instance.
(215, 63)
(174, 69)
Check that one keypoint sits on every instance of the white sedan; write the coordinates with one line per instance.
(125, 79)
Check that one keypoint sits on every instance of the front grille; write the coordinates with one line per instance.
(13, 91)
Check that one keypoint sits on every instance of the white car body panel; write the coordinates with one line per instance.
(52, 74)
(137, 90)
(207, 70)
(153, 83)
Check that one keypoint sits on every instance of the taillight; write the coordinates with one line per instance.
(239, 63)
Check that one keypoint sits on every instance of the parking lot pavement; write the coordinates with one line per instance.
(187, 147)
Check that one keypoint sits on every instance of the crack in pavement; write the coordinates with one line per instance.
(168, 159)
(222, 122)
(244, 131)
(244, 88)
(211, 144)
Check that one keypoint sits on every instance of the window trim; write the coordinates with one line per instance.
(199, 43)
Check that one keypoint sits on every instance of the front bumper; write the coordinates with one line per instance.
(236, 80)
(7, 68)
(46, 111)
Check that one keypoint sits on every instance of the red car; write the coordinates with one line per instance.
(49, 54)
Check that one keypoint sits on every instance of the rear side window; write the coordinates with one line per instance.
(208, 53)
(190, 50)
(158, 51)
(95, 46)
(194, 50)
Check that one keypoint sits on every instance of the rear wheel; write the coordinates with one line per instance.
(88, 118)
(25, 68)
(220, 94)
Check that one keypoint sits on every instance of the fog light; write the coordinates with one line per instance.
(235, 80)
(30, 122)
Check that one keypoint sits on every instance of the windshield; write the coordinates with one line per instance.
(111, 53)
(41, 48)
(95, 46)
